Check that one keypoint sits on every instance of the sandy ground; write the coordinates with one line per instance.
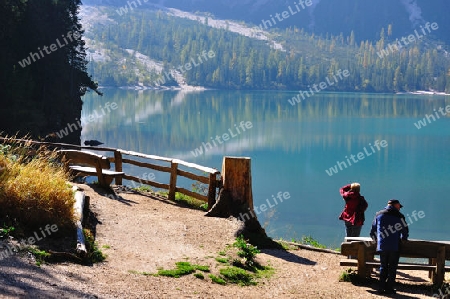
(140, 233)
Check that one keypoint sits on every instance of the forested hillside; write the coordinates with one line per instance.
(364, 17)
(42, 66)
(242, 62)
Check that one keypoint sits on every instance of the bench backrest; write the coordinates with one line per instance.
(413, 248)
(83, 158)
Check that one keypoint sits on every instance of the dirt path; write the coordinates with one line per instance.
(140, 234)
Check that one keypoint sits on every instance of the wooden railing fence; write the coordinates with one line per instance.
(121, 157)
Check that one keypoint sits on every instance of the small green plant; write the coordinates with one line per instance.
(39, 255)
(6, 231)
(222, 253)
(94, 254)
(199, 275)
(143, 188)
(348, 275)
(222, 260)
(106, 246)
(308, 240)
(183, 268)
(187, 200)
(237, 275)
(265, 271)
(217, 280)
(246, 251)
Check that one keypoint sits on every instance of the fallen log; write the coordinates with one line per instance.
(78, 211)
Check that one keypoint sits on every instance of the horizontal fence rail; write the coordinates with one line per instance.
(172, 168)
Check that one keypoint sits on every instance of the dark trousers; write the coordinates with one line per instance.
(352, 230)
(388, 269)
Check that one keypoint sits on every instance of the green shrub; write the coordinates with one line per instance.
(94, 255)
(237, 275)
(348, 275)
(246, 251)
(182, 268)
(222, 260)
(217, 280)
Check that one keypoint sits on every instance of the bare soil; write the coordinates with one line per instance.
(140, 233)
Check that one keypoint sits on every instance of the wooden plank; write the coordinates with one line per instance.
(146, 182)
(402, 266)
(85, 158)
(93, 171)
(136, 154)
(192, 194)
(349, 248)
(173, 180)
(147, 165)
(193, 176)
(419, 249)
(348, 262)
(196, 166)
(405, 266)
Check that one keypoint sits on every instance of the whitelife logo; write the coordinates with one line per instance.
(33, 57)
(395, 47)
(430, 117)
(301, 5)
(49, 229)
(91, 118)
(361, 156)
(225, 137)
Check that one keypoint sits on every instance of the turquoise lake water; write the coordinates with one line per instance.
(293, 147)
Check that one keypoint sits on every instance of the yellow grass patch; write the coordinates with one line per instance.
(34, 191)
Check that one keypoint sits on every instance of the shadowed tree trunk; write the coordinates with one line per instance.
(236, 199)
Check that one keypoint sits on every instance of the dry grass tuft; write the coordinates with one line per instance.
(33, 189)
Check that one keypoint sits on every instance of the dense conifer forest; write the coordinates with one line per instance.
(42, 66)
(385, 65)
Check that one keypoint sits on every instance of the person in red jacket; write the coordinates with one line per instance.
(353, 213)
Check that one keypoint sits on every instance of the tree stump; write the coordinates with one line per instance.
(236, 199)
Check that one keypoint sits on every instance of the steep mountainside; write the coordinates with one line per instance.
(364, 17)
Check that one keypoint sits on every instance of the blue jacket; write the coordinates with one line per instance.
(388, 227)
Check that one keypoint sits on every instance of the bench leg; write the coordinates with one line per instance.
(108, 180)
(440, 266)
(431, 273)
(362, 270)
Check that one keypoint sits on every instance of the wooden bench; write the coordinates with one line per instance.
(88, 163)
(436, 253)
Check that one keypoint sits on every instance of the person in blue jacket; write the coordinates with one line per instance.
(389, 228)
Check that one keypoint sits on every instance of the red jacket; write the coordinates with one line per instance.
(355, 205)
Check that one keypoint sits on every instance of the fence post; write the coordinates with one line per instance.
(118, 166)
(212, 190)
(173, 180)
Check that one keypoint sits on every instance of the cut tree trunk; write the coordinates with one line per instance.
(236, 199)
